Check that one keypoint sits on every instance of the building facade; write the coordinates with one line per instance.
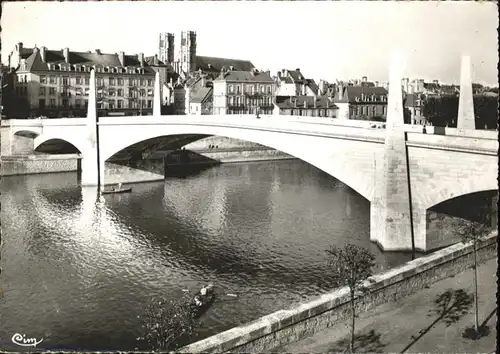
(55, 83)
(293, 83)
(361, 103)
(306, 106)
(243, 92)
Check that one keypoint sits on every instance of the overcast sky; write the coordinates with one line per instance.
(330, 40)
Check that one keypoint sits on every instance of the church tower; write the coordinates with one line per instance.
(185, 52)
(166, 48)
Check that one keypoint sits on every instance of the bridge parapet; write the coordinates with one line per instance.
(457, 143)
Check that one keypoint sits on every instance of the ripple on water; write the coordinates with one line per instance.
(78, 271)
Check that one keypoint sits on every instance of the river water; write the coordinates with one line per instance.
(78, 270)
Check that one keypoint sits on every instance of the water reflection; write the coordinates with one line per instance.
(78, 267)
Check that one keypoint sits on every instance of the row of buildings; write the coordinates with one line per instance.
(54, 83)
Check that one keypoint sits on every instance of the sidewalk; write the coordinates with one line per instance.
(419, 323)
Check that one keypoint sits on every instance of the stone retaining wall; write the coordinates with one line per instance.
(35, 164)
(286, 326)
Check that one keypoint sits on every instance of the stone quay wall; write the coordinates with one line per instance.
(286, 326)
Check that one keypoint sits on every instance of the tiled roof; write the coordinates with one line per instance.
(246, 76)
(296, 76)
(312, 85)
(35, 63)
(212, 64)
(411, 99)
(287, 102)
(200, 95)
(351, 92)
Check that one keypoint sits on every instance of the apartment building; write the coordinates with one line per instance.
(55, 83)
(243, 92)
(293, 83)
(306, 106)
(360, 102)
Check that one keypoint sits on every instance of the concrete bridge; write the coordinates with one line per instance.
(400, 170)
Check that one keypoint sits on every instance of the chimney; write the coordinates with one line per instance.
(279, 74)
(121, 57)
(364, 78)
(231, 68)
(19, 46)
(341, 92)
(297, 70)
(203, 81)
(294, 102)
(187, 100)
(314, 103)
(43, 53)
(209, 66)
(285, 72)
(376, 83)
(140, 57)
(327, 103)
(98, 51)
(66, 54)
(155, 59)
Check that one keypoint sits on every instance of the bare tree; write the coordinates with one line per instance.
(167, 322)
(351, 266)
(474, 231)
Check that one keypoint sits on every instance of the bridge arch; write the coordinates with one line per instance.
(27, 133)
(461, 188)
(57, 146)
(46, 138)
(350, 161)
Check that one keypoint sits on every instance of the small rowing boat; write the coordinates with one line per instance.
(201, 303)
(114, 191)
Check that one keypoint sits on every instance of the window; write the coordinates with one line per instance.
(78, 103)
(112, 81)
(143, 92)
(65, 80)
(150, 92)
(111, 92)
(42, 91)
(65, 103)
(78, 80)
(78, 91)
(41, 103)
(52, 79)
(150, 104)
(268, 88)
(262, 88)
(119, 81)
(87, 81)
(99, 81)
(52, 103)
(131, 82)
(120, 93)
(111, 104)
(43, 79)
(238, 89)
(142, 82)
(130, 92)
(230, 87)
(120, 104)
(150, 82)
(52, 91)
(130, 104)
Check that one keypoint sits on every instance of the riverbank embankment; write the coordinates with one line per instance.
(281, 328)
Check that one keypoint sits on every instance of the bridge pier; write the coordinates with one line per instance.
(390, 220)
(92, 168)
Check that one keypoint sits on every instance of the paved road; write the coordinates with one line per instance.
(417, 323)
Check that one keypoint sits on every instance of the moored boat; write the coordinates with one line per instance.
(118, 190)
(202, 301)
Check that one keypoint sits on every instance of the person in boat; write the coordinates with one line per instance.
(119, 186)
(198, 301)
